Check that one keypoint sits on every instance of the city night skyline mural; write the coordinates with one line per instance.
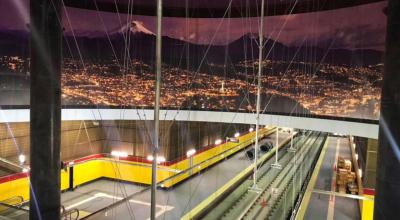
(325, 63)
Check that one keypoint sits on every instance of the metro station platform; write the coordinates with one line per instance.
(171, 203)
(322, 199)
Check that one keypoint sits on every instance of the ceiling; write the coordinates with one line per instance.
(214, 8)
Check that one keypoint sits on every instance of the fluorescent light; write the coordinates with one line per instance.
(219, 141)
(150, 158)
(251, 129)
(119, 154)
(25, 170)
(190, 152)
(161, 159)
(237, 134)
(71, 163)
(22, 158)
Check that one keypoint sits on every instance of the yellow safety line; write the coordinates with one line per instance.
(345, 195)
(332, 198)
(205, 203)
(310, 187)
(360, 187)
(83, 214)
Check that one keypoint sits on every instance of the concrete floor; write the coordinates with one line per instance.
(343, 208)
(171, 204)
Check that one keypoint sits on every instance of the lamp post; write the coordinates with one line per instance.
(276, 165)
(190, 153)
(291, 148)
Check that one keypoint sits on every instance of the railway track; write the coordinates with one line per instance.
(277, 188)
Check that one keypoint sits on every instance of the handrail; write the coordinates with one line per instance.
(67, 215)
(13, 207)
(11, 198)
(4, 160)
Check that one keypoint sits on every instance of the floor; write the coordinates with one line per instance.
(171, 204)
(330, 207)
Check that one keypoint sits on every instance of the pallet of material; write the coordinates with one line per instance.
(353, 188)
(342, 188)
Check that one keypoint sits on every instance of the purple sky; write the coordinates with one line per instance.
(357, 27)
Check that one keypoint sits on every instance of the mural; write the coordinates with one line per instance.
(323, 63)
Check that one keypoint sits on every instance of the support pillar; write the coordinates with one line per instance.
(387, 201)
(45, 113)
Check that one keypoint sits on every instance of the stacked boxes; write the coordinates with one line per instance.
(345, 177)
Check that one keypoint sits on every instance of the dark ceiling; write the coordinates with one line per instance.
(214, 8)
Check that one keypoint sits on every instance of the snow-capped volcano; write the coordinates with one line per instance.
(136, 27)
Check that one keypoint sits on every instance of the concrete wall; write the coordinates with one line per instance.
(176, 137)
(134, 137)
(75, 142)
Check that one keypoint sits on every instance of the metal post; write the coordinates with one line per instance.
(45, 109)
(291, 149)
(260, 67)
(156, 113)
(387, 201)
(276, 145)
(190, 165)
(276, 165)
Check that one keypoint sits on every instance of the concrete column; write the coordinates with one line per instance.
(387, 200)
(45, 115)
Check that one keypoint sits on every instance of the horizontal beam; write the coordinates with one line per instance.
(360, 129)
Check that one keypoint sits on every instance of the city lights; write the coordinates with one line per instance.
(328, 99)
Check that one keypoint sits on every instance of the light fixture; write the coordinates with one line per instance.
(22, 158)
(119, 154)
(71, 163)
(150, 158)
(237, 134)
(251, 129)
(233, 140)
(25, 170)
(161, 159)
(219, 141)
(360, 172)
(190, 152)
(357, 157)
